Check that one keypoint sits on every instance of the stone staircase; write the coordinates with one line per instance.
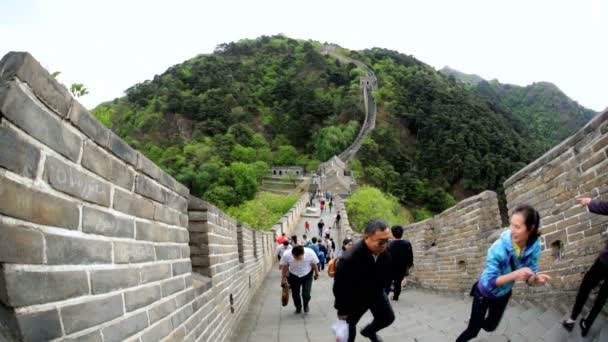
(424, 316)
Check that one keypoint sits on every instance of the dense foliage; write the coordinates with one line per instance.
(264, 210)
(218, 122)
(369, 203)
(550, 115)
(436, 139)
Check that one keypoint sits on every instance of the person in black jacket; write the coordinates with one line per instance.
(360, 280)
(402, 259)
(597, 273)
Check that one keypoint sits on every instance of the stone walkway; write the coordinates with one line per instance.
(420, 316)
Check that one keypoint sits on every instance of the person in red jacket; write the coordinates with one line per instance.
(597, 273)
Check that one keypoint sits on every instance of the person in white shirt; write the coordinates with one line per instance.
(297, 270)
(282, 248)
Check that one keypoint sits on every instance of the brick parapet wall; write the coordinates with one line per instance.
(94, 239)
(571, 236)
(449, 248)
(230, 260)
(97, 243)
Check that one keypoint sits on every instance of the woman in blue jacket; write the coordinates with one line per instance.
(514, 256)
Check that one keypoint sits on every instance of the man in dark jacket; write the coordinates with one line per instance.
(402, 259)
(360, 280)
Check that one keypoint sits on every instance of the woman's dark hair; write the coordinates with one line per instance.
(531, 220)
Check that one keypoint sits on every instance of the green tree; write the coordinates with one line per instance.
(369, 203)
(286, 155)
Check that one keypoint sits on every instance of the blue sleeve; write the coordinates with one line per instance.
(494, 259)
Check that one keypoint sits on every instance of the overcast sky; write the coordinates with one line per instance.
(110, 45)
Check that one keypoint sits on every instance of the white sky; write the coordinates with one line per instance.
(110, 45)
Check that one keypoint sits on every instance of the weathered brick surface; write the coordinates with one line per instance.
(101, 163)
(155, 272)
(125, 328)
(22, 288)
(64, 250)
(18, 106)
(40, 326)
(95, 221)
(141, 297)
(21, 244)
(46, 88)
(37, 207)
(133, 205)
(65, 178)
(122, 150)
(147, 188)
(84, 315)
(103, 281)
(88, 124)
(22, 157)
(127, 252)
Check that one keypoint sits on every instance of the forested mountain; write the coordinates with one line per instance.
(546, 110)
(218, 121)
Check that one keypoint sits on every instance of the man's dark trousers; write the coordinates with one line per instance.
(298, 284)
(383, 317)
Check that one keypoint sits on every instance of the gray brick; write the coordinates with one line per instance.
(157, 332)
(146, 166)
(178, 335)
(139, 298)
(31, 205)
(184, 298)
(161, 310)
(17, 105)
(176, 202)
(133, 205)
(181, 316)
(103, 281)
(39, 326)
(66, 250)
(20, 244)
(66, 178)
(127, 252)
(47, 89)
(171, 286)
(22, 288)
(104, 223)
(22, 157)
(125, 328)
(167, 252)
(166, 215)
(85, 315)
(155, 272)
(147, 188)
(88, 124)
(171, 183)
(178, 235)
(182, 267)
(122, 150)
(151, 232)
(185, 251)
(95, 336)
(100, 162)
